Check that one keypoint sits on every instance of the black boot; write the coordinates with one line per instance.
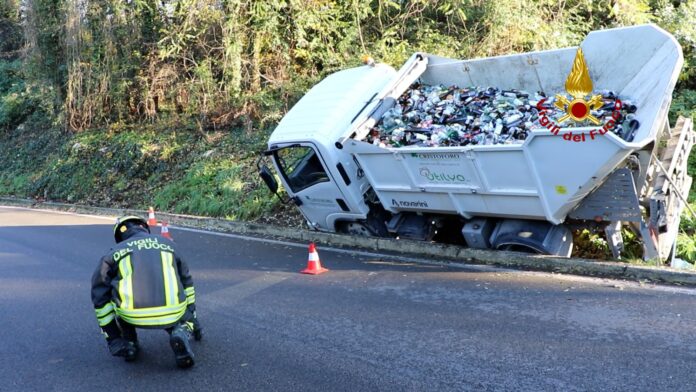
(120, 347)
(132, 351)
(197, 329)
(179, 340)
(117, 346)
(129, 334)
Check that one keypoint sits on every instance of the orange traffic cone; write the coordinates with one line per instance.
(165, 231)
(151, 221)
(314, 264)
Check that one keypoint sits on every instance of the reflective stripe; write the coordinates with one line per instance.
(171, 288)
(173, 278)
(106, 320)
(125, 286)
(105, 314)
(104, 310)
(165, 277)
(154, 311)
(162, 315)
(153, 321)
(190, 295)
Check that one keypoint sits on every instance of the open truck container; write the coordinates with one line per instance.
(510, 196)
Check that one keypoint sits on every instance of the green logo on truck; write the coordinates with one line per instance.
(443, 177)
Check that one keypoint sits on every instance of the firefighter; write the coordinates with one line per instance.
(143, 283)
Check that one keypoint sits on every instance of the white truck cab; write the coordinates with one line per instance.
(320, 178)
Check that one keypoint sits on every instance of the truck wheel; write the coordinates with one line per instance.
(532, 237)
(355, 228)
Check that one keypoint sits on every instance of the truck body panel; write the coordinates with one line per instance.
(546, 176)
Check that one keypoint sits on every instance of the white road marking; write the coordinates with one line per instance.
(238, 292)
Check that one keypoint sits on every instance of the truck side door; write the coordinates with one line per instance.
(309, 184)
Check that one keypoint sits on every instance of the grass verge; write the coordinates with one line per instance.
(172, 169)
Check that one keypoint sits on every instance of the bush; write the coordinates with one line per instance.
(14, 109)
(686, 242)
(11, 37)
(15, 104)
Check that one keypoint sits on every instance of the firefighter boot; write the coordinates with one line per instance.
(131, 351)
(179, 340)
(197, 329)
(129, 334)
(120, 347)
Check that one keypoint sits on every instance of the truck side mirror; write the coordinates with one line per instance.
(267, 177)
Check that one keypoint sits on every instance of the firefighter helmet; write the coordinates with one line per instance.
(124, 223)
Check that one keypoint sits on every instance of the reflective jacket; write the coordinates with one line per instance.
(144, 282)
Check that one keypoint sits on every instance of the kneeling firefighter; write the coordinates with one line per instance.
(143, 282)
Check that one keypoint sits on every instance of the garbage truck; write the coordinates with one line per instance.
(528, 196)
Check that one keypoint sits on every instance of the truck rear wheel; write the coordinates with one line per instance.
(355, 228)
(372, 227)
(532, 237)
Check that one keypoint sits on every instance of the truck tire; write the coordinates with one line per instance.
(355, 228)
(372, 227)
(532, 237)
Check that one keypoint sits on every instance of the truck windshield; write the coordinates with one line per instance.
(300, 166)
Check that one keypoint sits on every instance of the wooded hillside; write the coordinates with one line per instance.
(89, 64)
(167, 102)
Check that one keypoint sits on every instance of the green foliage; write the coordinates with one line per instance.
(178, 171)
(121, 165)
(11, 37)
(234, 63)
(14, 107)
(594, 246)
(680, 20)
(686, 247)
(686, 242)
(216, 188)
(590, 245)
(15, 102)
(683, 104)
(44, 32)
(22, 99)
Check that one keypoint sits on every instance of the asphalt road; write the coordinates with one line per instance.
(368, 324)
